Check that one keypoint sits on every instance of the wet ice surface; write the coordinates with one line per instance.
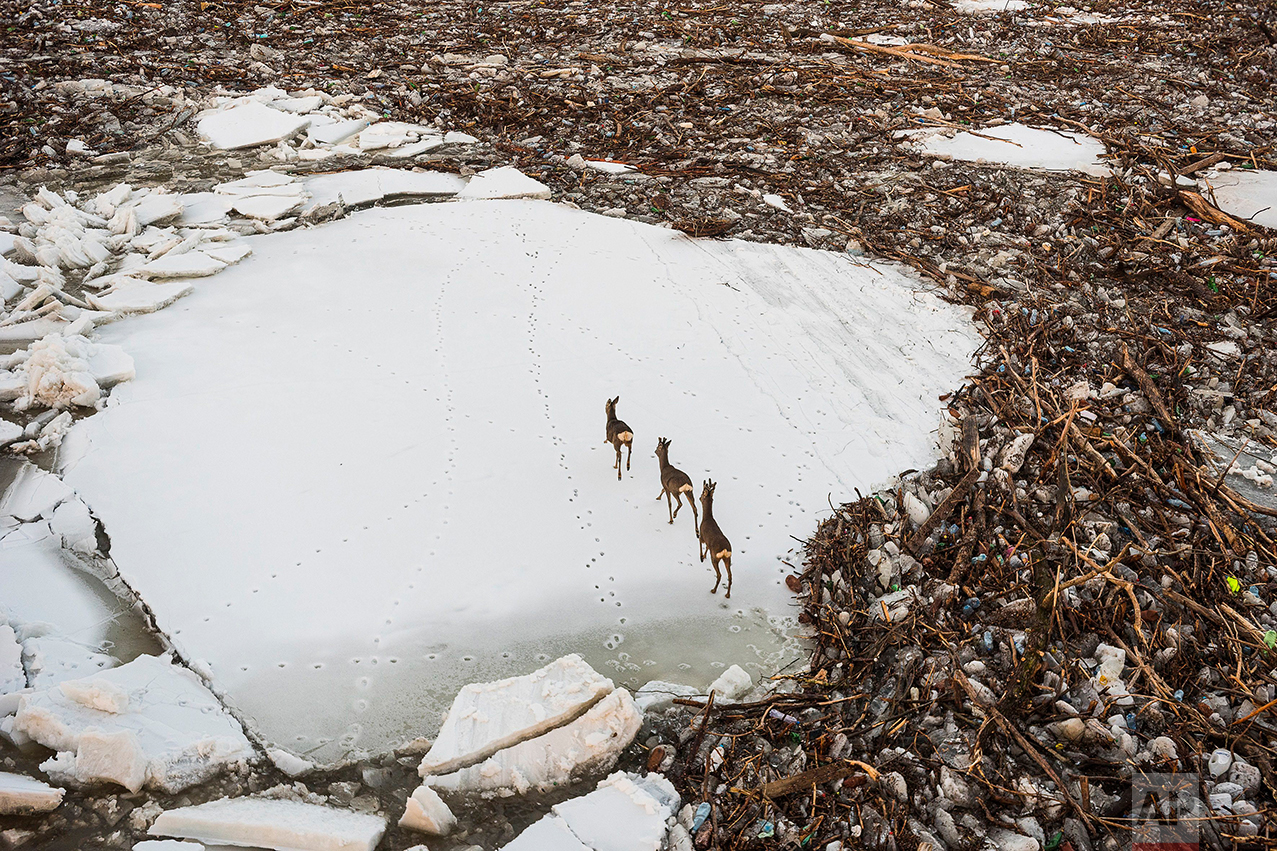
(366, 466)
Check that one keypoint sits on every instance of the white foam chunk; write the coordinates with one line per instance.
(1247, 194)
(20, 795)
(249, 124)
(33, 493)
(266, 823)
(426, 812)
(12, 677)
(191, 264)
(483, 713)
(170, 733)
(133, 295)
(369, 185)
(625, 813)
(503, 182)
(732, 684)
(1022, 147)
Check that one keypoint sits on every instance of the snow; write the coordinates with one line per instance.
(625, 813)
(463, 518)
(12, 677)
(425, 811)
(146, 722)
(1246, 194)
(21, 795)
(1022, 147)
(249, 124)
(503, 182)
(483, 713)
(369, 185)
(268, 823)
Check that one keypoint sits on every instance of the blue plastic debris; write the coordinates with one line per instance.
(702, 813)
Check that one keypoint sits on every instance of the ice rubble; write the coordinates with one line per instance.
(1248, 194)
(534, 713)
(333, 125)
(784, 372)
(148, 722)
(64, 372)
(1019, 146)
(12, 677)
(625, 813)
(21, 795)
(426, 812)
(270, 823)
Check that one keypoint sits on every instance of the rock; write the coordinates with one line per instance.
(1246, 776)
(1005, 840)
(893, 783)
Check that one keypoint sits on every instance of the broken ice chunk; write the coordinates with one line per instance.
(456, 137)
(267, 823)
(293, 766)
(202, 208)
(732, 684)
(158, 207)
(426, 812)
(609, 167)
(167, 845)
(33, 494)
(625, 813)
(229, 254)
(266, 207)
(97, 693)
(551, 833)
(192, 264)
(182, 733)
(134, 295)
(74, 524)
(369, 185)
(20, 795)
(10, 388)
(534, 729)
(62, 372)
(658, 695)
(336, 132)
(249, 124)
(54, 659)
(503, 182)
(1022, 147)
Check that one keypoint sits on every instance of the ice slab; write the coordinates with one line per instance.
(134, 295)
(201, 208)
(1022, 147)
(976, 7)
(609, 167)
(786, 374)
(53, 659)
(268, 823)
(369, 185)
(1247, 194)
(517, 707)
(336, 132)
(249, 124)
(168, 732)
(9, 432)
(426, 812)
(503, 182)
(20, 795)
(658, 695)
(734, 683)
(625, 813)
(192, 264)
(33, 493)
(167, 845)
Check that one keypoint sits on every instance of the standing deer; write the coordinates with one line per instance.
(712, 540)
(675, 483)
(618, 434)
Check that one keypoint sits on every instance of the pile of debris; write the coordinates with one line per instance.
(1080, 595)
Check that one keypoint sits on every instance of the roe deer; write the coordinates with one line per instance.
(618, 434)
(675, 483)
(712, 540)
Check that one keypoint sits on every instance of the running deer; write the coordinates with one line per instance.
(618, 434)
(675, 483)
(713, 542)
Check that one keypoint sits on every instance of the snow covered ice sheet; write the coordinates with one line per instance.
(149, 722)
(368, 185)
(484, 713)
(268, 823)
(401, 416)
(1022, 147)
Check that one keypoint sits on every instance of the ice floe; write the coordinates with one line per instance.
(20, 795)
(148, 722)
(270, 823)
(359, 187)
(503, 182)
(1247, 194)
(1019, 146)
(249, 124)
(625, 813)
(551, 726)
(509, 325)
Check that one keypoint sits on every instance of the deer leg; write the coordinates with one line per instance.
(727, 562)
(718, 576)
(701, 546)
(618, 462)
(696, 520)
(669, 505)
(678, 504)
(628, 455)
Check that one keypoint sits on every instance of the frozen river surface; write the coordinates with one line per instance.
(366, 465)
